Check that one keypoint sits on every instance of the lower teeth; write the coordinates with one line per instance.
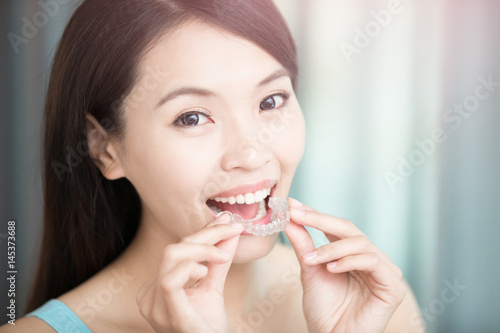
(261, 213)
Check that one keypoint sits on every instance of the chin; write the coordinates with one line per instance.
(251, 247)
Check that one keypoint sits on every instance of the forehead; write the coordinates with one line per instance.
(200, 53)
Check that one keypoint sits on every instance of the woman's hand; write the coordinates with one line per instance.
(349, 284)
(186, 295)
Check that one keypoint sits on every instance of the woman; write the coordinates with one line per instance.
(159, 114)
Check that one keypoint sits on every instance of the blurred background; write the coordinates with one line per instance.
(401, 100)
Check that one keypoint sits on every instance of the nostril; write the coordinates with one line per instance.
(229, 164)
(245, 155)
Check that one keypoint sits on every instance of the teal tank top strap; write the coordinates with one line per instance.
(60, 317)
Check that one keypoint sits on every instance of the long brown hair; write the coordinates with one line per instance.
(89, 220)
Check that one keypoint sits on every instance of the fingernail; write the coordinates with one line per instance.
(222, 216)
(237, 225)
(295, 202)
(297, 211)
(310, 255)
(332, 264)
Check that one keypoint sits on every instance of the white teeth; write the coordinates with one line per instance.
(247, 198)
(259, 196)
(240, 199)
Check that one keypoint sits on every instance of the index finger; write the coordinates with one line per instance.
(214, 232)
(329, 224)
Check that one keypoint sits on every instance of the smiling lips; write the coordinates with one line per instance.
(249, 201)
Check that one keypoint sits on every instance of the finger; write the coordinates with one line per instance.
(162, 297)
(339, 249)
(175, 253)
(300, 238)
(330, 225)
(366, 262)
(182, 274)
(345, 247)
(223, 218)
(217, 272)
(302, 243)
(172, 287)
(294, 203)
(215, 231)
(337, 228)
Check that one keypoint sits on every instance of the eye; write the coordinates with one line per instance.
(192, 119)
(275, 101)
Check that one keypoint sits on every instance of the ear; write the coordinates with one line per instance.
(103, 150)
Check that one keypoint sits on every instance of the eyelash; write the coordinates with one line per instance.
(284, 94)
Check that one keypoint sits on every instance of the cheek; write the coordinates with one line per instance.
(166, 171)
(290, 141)
(189, 166)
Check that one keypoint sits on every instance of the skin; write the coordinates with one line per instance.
(178, 280)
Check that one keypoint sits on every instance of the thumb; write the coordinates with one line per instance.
(302, 243)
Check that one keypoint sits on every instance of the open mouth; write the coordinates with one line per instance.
(251, 207)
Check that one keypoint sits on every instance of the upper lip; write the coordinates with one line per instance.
(248, 188)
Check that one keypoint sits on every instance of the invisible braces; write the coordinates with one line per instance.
(279, 219)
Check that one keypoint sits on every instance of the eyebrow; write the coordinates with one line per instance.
(207, 93)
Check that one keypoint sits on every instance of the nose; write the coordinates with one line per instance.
(247, 147)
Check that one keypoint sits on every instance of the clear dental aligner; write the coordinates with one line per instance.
(279, 219)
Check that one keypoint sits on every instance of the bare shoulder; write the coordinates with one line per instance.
(106, 302)
(27, 324)
(93, 304)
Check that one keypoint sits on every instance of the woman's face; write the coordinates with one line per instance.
(210, 112)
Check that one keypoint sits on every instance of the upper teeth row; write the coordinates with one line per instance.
(248, 198)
